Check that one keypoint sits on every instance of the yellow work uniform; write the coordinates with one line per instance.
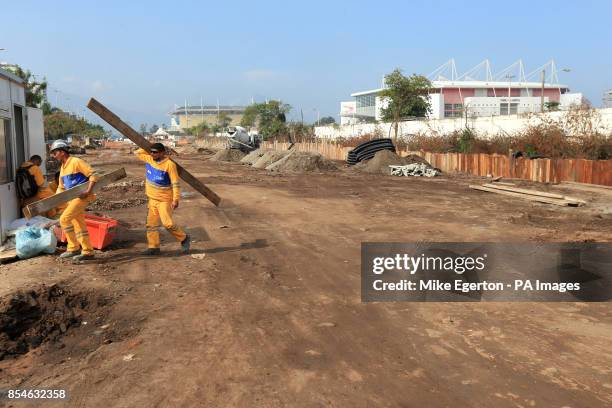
(73, 173)
(43, 190)
(162, 188)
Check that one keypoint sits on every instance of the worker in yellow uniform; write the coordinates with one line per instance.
(32, 167)
(74, 172)
(162, 188)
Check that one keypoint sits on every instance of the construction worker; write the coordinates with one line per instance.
(162, 188)
(74, 172)
(43, 191)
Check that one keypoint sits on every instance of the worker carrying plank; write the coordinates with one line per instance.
(74, 172)
(163, 190)
(31, 184)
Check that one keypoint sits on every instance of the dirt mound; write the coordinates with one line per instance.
(30, 318)
(302, 162)
(269, 157)
(379, 164)
(252, 157)
(228, 155)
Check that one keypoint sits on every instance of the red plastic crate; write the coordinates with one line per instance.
(101, 231)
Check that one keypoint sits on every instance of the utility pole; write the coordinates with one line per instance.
(542, 91)
(509, 90)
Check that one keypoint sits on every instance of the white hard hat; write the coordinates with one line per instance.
(60, 144)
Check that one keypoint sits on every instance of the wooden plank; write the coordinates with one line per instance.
(525, 191)
(49, 203)
(143, 143)
(535, 193)
(528, 197)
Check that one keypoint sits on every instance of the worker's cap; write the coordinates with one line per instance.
(157, 147)
(60, 144)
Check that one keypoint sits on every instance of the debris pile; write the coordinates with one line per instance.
(299, 162)
(381, 161)
(228, 155)
(128, 186)
(102, 204)
(414, 170)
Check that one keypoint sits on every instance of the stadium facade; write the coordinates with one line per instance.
(476, 93)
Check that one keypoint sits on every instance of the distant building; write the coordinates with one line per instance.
(182, 119)
(465, 95)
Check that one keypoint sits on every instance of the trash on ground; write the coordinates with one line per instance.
(414, 170)
(32, 241)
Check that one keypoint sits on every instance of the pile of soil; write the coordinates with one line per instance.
(30, 318)
(228, 155)
(269, 157)
(379, 164)
(300, 162)
(252, 157)
(193, 149)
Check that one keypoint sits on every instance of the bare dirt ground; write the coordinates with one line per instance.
(268, 313)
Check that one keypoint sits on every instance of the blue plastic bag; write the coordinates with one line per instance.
(32, 241)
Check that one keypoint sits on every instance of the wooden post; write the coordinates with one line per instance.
(143, 143)
(49, 203)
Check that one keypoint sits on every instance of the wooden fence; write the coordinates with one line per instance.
(542, 170)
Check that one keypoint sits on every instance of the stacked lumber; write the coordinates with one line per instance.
(530, 195)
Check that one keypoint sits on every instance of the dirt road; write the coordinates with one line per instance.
(268, 312)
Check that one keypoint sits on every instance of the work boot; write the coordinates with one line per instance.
(151, 252)
(82, 257)
(185, 244)
(69, 254)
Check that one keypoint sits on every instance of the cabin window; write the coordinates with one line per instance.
(6, 162)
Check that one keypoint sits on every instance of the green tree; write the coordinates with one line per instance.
(269, 118)
(143, 128)
(328, 120)
(153, 128)
(224, 120)
(201, 129)
(59, 124)
(36, 91)
(406, 97)
(551, 106)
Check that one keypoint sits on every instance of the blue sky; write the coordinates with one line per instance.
(140, 58)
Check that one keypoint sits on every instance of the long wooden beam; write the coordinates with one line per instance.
(529, 197)
(49, 203)
(143, 143)
(534, 192)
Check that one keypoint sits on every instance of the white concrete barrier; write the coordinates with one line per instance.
(486, 126)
